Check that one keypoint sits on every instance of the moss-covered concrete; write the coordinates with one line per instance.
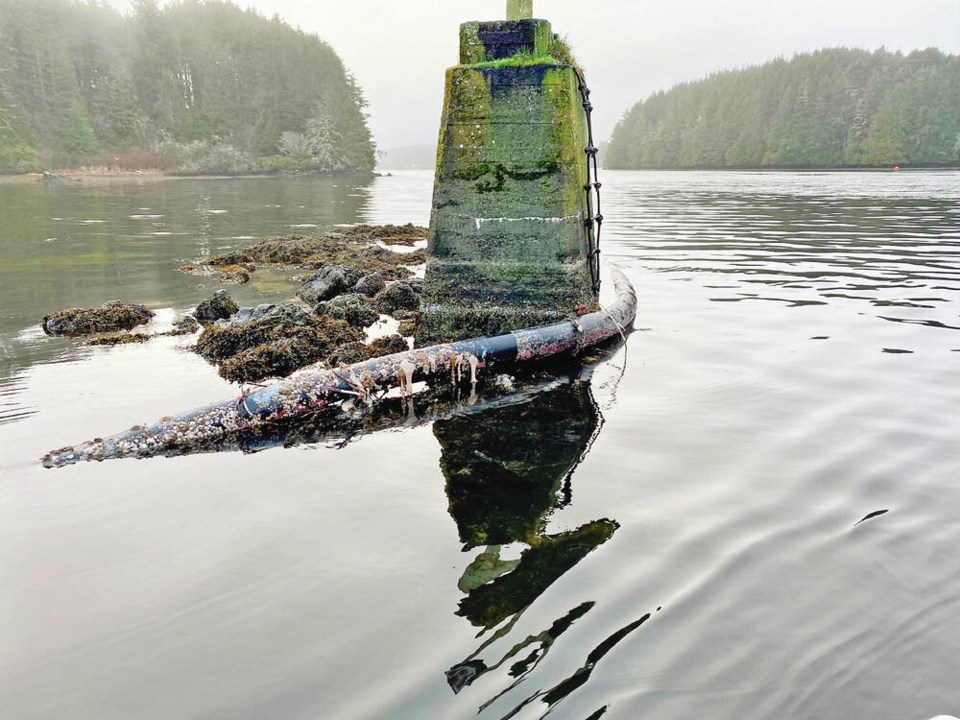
(519, 9)
(507, 242)
(499, 39)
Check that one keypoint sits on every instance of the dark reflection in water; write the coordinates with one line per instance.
(553, 696)
(10, 408)
(507, 469)
(871, 516)
(535, 648)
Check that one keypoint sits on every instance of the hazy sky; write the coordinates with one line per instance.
(398, 50)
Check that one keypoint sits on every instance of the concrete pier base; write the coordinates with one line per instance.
(508, 247)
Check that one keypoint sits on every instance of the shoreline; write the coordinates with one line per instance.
(106, 175)
(94, 176)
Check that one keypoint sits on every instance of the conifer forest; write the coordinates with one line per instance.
(836, 107)
(192, 86)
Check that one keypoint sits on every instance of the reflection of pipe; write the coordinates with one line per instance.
(581, 676)
(316, 389)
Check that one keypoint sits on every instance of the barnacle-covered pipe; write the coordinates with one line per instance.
(313, 389)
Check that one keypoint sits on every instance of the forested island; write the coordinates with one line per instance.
(197, 86)
(830, 108)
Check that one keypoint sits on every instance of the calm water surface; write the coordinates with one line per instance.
(672, 532)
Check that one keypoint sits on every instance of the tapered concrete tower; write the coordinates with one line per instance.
(509, 246)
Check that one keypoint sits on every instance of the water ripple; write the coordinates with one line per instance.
(798, 249)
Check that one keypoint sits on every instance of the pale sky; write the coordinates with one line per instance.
(398, 51)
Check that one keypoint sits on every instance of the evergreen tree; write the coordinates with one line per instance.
(16, 153)
(325, 142)
(78, 135)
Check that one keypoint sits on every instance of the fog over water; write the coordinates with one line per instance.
(630, 48)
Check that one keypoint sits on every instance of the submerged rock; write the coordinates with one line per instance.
(352, 308)
(236, 274)
(218, 307)
(119, 339)
(328, 282)
(397, 296)
(109, 317)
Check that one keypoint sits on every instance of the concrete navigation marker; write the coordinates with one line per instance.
(509, 246)
(519, 9)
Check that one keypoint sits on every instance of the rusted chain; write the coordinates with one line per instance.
(593, 222)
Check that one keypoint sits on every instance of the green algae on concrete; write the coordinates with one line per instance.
(519, 9)
(501, 39)
(508, 247)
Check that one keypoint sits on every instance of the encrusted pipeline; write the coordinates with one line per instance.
(312, 389)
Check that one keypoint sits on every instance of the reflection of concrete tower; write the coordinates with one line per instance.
(505, 469)
(508, 242)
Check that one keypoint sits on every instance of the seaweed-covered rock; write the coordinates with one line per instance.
(277, 358)
(246, 314)
(408, 234)
(397, 296)
(408, 321)
(389, 345)
(109, 317)
(358, 351)
(370, 285)
(416, 284)
(185, 325)
(353, 308)
(223, 340)
(275, 341)
(349, 354)
(218, 307)
(236, 274)
(363, 248)
(412, 259)
(328, 282)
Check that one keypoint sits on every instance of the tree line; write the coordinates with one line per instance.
(834, 107)
(197, 85)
